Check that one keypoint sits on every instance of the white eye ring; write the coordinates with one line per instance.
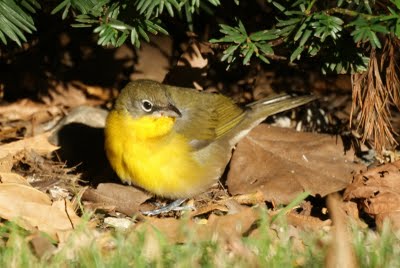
(147, 105)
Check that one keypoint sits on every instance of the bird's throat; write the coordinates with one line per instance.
(142, 128)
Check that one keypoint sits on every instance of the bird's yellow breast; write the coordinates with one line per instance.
(147, 152)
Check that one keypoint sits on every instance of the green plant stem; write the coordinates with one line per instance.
(310, 6)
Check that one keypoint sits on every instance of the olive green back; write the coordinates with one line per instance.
(205, 116)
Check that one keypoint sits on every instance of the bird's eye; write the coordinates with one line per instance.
(147, 105)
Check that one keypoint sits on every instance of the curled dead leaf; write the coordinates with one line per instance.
(307, 222)
(207, 209)
(250, 199)
(10, 177)
(377, 191)
(27, 109)
(125, 199)
(38, 143)
(282, 163)
(31, 209)
(7, 162)
(392, 217)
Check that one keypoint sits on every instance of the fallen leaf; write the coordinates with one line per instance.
(10, 177)
(65, 94)
(282, 163)
(26, 109)
(353, 213)
(38, 143)
(207, 209)
(393, 217)
(232, 225)
(216, 227)
(42, 245)
(193, 57)
(6, 163)
(159, 51)
(191, 68)
(306, 222)
(126, 199)
(170, 228)
(377, 191)
(93, 91)
(31, 209)
(250, 199)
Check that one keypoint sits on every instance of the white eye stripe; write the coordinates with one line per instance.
(147, 105)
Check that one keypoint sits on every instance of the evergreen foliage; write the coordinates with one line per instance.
(16, 19)
(336, 30)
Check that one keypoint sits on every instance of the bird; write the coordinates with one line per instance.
(176, 142)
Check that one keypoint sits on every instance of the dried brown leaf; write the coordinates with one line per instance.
(193, 57)
(26, 109)
(92, 91)
(170, 228)
(10, 177)
(282, 163)
(38, 143)
(191, 68)
(6, 163)
(33, 209)
(377, 191)
(67, 95)
(41, 245)
(207, 209)
(306, 222)
(216, 227)
(393, 217)
(126, 199)
(250, 199)
(159, 52)
(383, 202)
(351, 210)
(229, 226)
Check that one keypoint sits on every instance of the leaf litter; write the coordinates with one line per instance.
(269, 168)
(377, 193)
(282, 163)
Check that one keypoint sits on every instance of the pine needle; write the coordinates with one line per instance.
(375, 92)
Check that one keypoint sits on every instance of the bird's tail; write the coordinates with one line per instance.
(259, 110)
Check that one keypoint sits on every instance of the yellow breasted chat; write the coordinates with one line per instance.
(176, 142)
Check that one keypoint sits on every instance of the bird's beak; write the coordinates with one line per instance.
(170, 111)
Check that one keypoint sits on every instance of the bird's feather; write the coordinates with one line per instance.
(210, 115)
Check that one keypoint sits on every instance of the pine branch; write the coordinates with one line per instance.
(16, 19)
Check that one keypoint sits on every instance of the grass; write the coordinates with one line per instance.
(377, 249)
(267, 246)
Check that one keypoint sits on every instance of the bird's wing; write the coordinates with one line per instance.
(205, 116)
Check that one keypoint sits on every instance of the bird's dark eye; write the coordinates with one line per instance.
(147, 105)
